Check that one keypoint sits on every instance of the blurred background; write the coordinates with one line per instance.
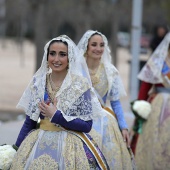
(26, 26)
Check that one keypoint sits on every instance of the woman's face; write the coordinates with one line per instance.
(95, 47)
(58, 57)
(161, 31)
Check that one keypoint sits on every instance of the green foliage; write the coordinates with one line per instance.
(15, 147)
(137, 127)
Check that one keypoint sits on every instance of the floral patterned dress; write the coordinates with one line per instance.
(153, 146)
(57, 144)
(106, 130)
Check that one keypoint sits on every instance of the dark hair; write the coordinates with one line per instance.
(96, 33)
(158, 26)
(55, 41)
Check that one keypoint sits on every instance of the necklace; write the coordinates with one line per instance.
(53, 85)
(94, 76)
(52, 88)
(93, 72)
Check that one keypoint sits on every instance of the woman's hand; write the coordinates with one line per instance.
(126, 137)
(48, 110)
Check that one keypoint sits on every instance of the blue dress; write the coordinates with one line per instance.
(106, 130)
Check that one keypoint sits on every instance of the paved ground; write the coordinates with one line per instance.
(16, 69)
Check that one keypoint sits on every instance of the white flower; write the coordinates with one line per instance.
(142, 108)
(39, 120)
(7, 153)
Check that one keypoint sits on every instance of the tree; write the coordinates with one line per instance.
(40, 25)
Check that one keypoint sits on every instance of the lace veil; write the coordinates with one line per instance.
(116, 88)
(71, 100)
(151, 72)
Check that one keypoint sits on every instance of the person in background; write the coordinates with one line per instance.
(61, 96)
(159, 34)
(152, 145)
(112, 129)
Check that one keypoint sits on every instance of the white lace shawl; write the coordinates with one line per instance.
(151, 72)
(71, 95)
(115, 85)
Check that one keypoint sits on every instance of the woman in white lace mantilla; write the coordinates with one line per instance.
(61, 96)
(112, 130)
(152, 145)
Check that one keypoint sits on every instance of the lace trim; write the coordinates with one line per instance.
(76, 83)
(115, 89)
(101, 86)
(75, 101)
(151, 72)
(51, 92)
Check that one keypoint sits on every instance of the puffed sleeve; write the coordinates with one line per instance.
(80, 107)
(28, 125)
(76, 124)
(144, 89)
(118, 110)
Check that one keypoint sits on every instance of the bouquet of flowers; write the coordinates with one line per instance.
(141, 110)
(7, 153)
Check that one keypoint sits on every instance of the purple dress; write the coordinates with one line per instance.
(59, 149)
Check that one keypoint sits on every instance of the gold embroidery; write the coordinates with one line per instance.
(100, 85)
(92, 145)
(44, 162)
(24, 150)
(47, 125)
(94, 76)
(112, 145)
(51, 90)
(155, 153)
(110, 111)
(74, 151)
